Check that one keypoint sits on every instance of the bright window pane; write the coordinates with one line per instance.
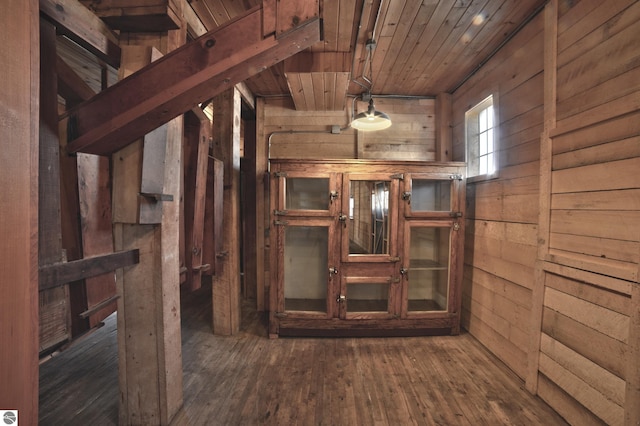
(481, 144)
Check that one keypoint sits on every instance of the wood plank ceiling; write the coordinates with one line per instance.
(422, 47)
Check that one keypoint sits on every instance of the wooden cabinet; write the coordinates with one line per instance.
(366, 247)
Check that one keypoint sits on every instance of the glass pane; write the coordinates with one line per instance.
(428, 268)
(307, 194)
(483, 165)
(482, 119)
(369, 220)
(367, 297)
(430, 195)
(306, 268)
(483, 143)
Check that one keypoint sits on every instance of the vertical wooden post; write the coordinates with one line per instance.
(444, 135)
(196, 163)
(226, 147)
(250, 246)
(54, 303)
(149, 339)
(262, 208)
(19, 38)
(537, 297)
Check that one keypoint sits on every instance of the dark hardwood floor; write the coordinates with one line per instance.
(249, 379)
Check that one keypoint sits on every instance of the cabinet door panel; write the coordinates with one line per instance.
(426, 266)
(431, 195)
(307, 280)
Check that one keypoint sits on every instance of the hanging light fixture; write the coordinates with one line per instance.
(371, 120)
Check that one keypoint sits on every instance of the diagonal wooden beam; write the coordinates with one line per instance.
(74, 20)
(180, 80)
(70, 85)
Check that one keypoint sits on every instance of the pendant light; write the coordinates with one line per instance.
(371, 120)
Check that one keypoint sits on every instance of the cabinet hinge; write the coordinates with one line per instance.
(394, 259)
(397, 176)
(455, 214)
(455, 176)
(280, 222)
(279, 212)
(280, 174)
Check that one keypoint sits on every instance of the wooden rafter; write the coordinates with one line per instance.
(185, 77)
(78, 23)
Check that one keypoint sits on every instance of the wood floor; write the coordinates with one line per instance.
(249, 379)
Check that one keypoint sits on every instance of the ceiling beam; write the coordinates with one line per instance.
(182, 79)
(78, 23)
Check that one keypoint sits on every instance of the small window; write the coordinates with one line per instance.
(480, 122)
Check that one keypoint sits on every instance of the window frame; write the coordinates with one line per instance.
(471, 118)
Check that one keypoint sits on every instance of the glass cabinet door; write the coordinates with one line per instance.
(307, 194)
(426, 266)
(431, 195)
(369, 212)
(305, 269)
(366, 297)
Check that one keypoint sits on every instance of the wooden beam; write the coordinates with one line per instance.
(78, 23)
(56, 275)
(196, 163)
(138, 16)
(307, 62)
(70, 85)
(189, 75)
(99, 306)
(19, 30)
(226, 146)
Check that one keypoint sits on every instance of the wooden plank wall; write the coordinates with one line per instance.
(588, 361)
(500, 242)
(553, 248)
(307, 134)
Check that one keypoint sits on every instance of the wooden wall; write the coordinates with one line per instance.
(553, 247)
(589, 363)
(307, 134)
(502, 214)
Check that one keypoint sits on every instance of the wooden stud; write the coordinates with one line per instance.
(55, 326)
(226, 146)
(537, 298)
(197, 205)
(249, 211)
